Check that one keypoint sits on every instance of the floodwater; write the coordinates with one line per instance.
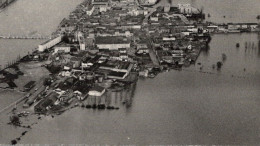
(198, 105)
(192, 106)
(224, 11)
(30, 18)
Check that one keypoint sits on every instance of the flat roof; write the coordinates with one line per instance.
(112, 40)
(97, 88)
(117, 74)
(49, 40)
(29, 84)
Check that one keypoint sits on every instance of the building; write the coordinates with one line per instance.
(148, 2)
(29, 86)
(90, 10)
(119, 69)
(50, 43)
(169, 39)
(187, 9)
(62, 48)
(100, 2)
(96, 91)
(112, 43)
(47, 103)
(76, 62)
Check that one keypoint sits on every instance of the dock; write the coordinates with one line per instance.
(24, 37)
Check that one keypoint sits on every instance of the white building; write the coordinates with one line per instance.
(90, 10)
(169, 38)
(112, 43)
(96, 91)
(187, 9)
(49, 44)
(65, 49)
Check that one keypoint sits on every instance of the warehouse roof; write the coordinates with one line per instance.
(112, 40)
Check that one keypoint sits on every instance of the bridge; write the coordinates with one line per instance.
(25, 37)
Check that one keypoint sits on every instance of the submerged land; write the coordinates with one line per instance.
(105, 47)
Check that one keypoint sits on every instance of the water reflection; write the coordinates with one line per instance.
(114, 99)
(258, 48)
(205, 50)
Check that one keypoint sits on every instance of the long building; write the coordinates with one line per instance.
(50, 43)
(112, 43)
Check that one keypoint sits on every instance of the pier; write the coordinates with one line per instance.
(25, 37)
(5, 3)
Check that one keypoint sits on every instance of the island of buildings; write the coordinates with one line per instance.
(105, 46)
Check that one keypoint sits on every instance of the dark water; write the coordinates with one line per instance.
(192, 106)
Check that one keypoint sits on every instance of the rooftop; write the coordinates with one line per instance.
(97, 88)
(111, 40)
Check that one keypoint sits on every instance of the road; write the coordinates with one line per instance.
(33, 93)
(152, 53)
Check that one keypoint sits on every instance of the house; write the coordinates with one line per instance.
(122, 69)
(122, 50)
(112, 43)
(99, 2)
(253, 26)
(142, 51)
(29, 86)
(89, 42)
(123, 56)
(154, 18)
(90, 10)
(88, 62)
(65, 73)
(96, 91)
(232, 27)
(169, 38)
(187, 9)
(76, 62)
(142, 48)
(48, 102)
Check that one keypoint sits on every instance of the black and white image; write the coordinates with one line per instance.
(130, 72)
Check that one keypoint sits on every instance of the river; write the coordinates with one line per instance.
(191, 106)
(30, 18)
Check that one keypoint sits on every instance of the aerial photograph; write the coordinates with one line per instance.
(129, 72)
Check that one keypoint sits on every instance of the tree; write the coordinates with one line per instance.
(47, 82)
(219, 65)
(15, 120)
